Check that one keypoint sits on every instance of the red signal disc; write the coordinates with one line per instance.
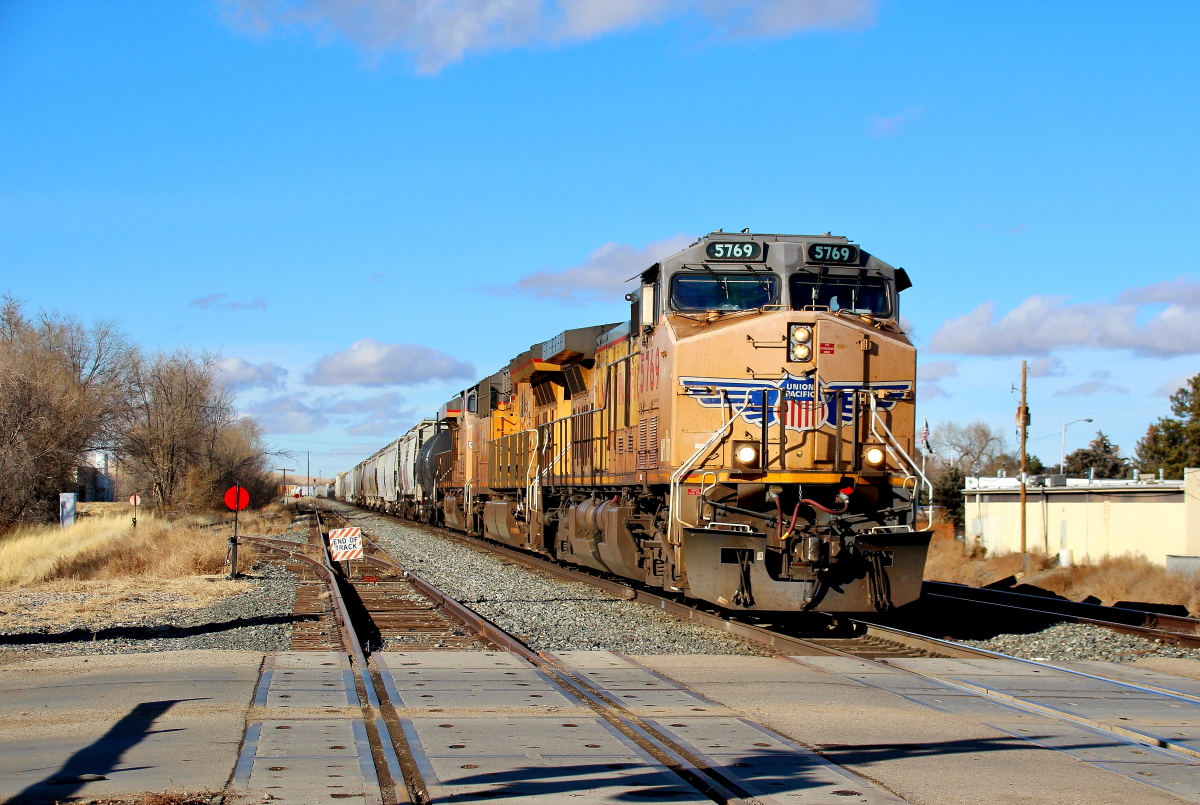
(237, 498)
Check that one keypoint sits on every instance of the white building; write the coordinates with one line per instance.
(1089, 518)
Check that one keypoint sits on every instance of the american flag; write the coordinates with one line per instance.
(803, 414)
(925, 434)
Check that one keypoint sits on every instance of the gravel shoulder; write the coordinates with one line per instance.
(1080, 641)
(258, 618)
(547, 613)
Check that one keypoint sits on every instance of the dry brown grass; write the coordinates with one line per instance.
(103, 571)
(103, 545)
(69, 604)
(1122, 578)
(172, 797)
(1113, 579)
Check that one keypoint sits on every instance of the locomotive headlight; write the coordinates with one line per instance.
(874, 456)
(745, 456)
(799, 342)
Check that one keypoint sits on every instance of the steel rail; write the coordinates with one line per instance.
(694, 770)
(780, 642)
(353, 647)
(797, 646)
(1187, 633)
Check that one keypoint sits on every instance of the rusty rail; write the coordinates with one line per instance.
(392, 778)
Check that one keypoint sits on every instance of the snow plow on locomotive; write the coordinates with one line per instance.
(745, 438)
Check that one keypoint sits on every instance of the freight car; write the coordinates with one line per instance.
(745, 438)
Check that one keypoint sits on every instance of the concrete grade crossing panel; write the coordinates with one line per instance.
(762, 763)
(480, 751)
(309, 743)
(1131, 712)
(1147, 764)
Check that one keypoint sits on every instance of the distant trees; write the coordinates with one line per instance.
(180, 434)
(960, 451)
(61, 393)
(1173, 442)
(1101, 459)
(67, 389)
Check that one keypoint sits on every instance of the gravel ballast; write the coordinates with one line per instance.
(258, 619)
(547, 613)
(1079, 641)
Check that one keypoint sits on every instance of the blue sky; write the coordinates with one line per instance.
(340, 196)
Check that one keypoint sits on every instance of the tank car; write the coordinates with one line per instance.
(744, 438)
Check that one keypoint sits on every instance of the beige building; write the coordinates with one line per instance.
(1084, 520)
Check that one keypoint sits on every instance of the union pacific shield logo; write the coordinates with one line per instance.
(805, 406)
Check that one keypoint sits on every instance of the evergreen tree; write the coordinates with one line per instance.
(947, 493)
(1172, 443)
(1101, 456)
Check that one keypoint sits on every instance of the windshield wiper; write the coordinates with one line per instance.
(721, 281)
(766, 286)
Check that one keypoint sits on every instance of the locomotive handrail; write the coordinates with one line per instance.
(686, 467)
(532, 487)
(916, 471)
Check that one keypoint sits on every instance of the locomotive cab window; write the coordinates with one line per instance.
(723, 291)
(861, 296)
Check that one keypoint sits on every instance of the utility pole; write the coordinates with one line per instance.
(308, 468)
(285, 471)
(1023, 425)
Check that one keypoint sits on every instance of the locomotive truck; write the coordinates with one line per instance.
(744, 438)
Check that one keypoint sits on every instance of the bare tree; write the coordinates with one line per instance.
(974, 447)
(61, 388)
(182, 437)
(175, 412)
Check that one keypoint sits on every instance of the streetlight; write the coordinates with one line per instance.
(1062, 453)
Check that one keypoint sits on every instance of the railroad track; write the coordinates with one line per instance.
(1048, 695)
(660, 762)
(1171, 630)
(872, 640)
(876, 640)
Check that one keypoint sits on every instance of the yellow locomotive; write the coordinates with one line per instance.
(744, 438)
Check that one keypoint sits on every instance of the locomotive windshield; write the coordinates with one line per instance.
(723, 291)
(869, 295)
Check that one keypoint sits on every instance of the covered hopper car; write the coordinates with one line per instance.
(744, 438)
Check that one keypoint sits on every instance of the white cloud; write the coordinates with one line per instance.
(1174, 384)
(601, 277)
(1041, 324)
(1047, 367)
(887, 126)
(382, 415)
(436, 33)
(356, 449)
(239, 374)
(938, 370)
(372, 363)
(1179, 291)
(1090, 387)
(288, 414)
(222, 301)
(931, 391)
